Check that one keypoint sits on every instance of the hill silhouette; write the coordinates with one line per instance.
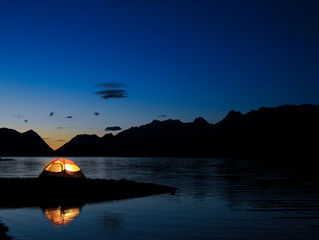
(288, 130)
(14, 143)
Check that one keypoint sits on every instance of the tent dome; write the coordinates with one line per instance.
(62, 167)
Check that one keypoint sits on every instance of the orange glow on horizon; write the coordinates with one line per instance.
(56, 143)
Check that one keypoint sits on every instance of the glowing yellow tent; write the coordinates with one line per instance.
(62, 167)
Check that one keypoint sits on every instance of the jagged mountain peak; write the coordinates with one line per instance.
(201, 121)
(15, 143)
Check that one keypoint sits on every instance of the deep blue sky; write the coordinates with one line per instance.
(181, 59)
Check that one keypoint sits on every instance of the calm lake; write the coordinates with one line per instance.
(216, 199)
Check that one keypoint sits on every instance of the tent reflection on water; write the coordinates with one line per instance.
(61, 216)
(62, 167)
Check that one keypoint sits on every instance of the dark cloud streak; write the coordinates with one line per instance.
(107, 94)
(113, 128)
(111, 92)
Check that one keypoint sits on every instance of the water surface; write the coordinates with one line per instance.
(216, 199)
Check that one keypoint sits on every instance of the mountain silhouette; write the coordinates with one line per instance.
(287, 130)
(284, 131)
(158, 138)
(83, 144)
(14, 143)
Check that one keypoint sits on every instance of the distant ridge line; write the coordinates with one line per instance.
(286, 130)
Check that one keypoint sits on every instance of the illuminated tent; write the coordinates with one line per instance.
(61, 167)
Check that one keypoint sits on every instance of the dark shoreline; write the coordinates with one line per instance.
(28, 192)
(3, 232)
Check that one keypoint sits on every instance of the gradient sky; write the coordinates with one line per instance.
(180, 59)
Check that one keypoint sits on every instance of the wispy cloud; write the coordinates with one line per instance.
(113, 128)
(107, 94)
(59, 128)
(111, 91)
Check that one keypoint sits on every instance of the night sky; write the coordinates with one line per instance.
(71, 67)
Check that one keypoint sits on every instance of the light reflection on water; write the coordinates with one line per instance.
(61, 216)
(216, 199)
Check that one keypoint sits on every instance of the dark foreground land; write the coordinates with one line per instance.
(24, 192)
(3, 232)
